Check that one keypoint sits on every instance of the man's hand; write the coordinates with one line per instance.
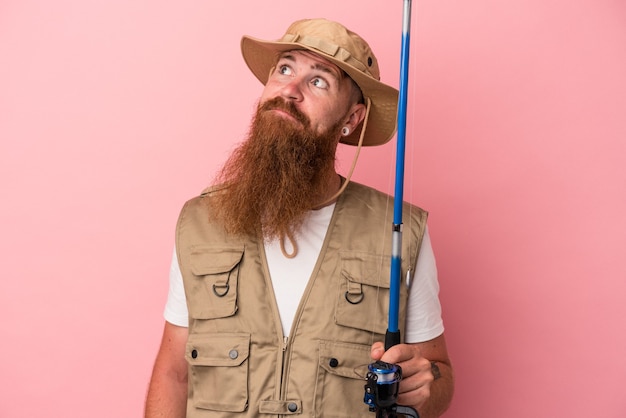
(416, 372)
(418, 387)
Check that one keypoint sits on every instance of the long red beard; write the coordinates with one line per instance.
(278, 174)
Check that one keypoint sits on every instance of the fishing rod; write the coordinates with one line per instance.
(383, 379)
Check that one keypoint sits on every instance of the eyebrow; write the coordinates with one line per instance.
(336, 73)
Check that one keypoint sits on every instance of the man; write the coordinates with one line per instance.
(279, 285)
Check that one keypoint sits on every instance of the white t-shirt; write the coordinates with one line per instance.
(290, 277)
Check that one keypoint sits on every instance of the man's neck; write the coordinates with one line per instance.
(334, 185)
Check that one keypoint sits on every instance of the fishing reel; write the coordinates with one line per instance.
(381, 391)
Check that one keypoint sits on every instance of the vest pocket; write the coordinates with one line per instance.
(218, 372)
(363, 299)
(212, 292)
(340, 385)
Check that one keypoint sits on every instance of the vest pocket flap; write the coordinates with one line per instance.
(363, 296)
(217, 349)
(211, 289)
(214, 260)
(344, 359)
(369, 269)
(218, 372)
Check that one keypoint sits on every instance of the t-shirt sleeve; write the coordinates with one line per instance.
(424, 321)
(176, 306)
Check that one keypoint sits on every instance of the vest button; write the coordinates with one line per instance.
(194, 354)
(233, 354)
(333, 362)
(292, 407)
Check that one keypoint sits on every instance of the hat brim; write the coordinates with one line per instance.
(261, 57)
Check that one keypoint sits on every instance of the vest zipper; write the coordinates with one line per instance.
(284, 360)
(281, 353)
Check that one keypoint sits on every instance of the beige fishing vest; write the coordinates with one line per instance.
(240, 364)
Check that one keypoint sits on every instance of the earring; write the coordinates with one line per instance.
(345, 131)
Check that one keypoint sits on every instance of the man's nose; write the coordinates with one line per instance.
(292, 90)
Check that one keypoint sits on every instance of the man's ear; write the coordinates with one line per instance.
(356, 116)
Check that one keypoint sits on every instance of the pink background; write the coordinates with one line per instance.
(113, 113)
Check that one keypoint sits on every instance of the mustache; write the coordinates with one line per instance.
(278, 103)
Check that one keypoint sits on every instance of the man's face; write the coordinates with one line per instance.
(318, 89)
(285, 168)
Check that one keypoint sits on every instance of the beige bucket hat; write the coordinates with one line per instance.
(349, 52)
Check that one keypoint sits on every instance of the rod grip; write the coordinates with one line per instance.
(391, 338)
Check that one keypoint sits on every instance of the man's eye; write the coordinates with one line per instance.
(284, 69)
(319, 82)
